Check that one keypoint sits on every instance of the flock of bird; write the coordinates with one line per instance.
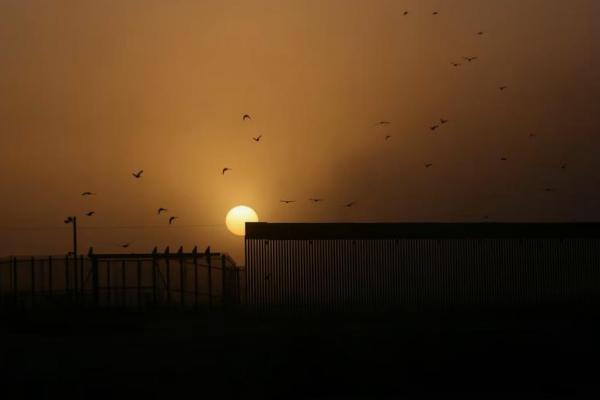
(247, 118)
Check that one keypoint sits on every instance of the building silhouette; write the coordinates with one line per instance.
(406, 266)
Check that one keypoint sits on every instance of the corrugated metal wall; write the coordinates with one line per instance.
(383, 274)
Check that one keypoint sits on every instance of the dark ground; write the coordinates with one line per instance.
(165, 355)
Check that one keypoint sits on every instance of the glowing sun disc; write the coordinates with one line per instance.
(237, 217)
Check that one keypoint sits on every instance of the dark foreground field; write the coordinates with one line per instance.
(174, 355)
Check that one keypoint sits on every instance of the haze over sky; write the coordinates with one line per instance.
(91, 91)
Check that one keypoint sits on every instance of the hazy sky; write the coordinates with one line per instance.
(91, 91)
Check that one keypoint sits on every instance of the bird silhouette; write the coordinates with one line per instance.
(435, 13)
(351, 204)
(138, 174)
(563, 166)
(287, 201)
(246, 117)
(207, 251)
(549, 190)
(315, 200)
(125, 245)
(405, 13)
(504, 159)
(225, 170)
(503, 88)
(257, 139)
(443, 121)
(387, 137)
(90, 213)
(428, 165)
(172, 219)
(434, 127)
(382, 123)
(480, 33)
(161, 210)
(470, 59)
(68, 220)
(87, 194)
(455, 64)
(532, 135)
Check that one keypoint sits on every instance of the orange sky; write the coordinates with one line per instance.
(92, 91)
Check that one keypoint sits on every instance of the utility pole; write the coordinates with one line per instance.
(73, 222)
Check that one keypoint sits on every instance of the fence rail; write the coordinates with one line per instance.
(190, 280)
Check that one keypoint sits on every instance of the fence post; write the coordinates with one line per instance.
(123, 284)
(224, 295)
(139, 284)
(168, 275)
(95, 283)
(81, 274)
(15, 282)
(50, 275)
(195, 255)
(181, 277)
(67, 280)
(210, 294)
(32, 281)
(154, 294)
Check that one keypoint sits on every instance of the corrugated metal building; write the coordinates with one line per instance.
(345, 267)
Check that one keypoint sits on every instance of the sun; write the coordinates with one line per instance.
(237, 217)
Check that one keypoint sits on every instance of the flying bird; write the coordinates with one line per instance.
(549, 190)
(382, 123)
(532, 135)
(503, 88)
(434, 127)
(563, 166)
(138, 174)
(405, 13)
(287, 201)
(387, 137)
(90, 213)
(225, 170)
(428, 165)
(161, 210)
(469, 59)
(455, 64)
(87, 194)
(435, 13)
(315, 200)
(172, 219)
(257, 139)
(443, 121)
(504, 159)
(480, 33)
(351, 204)
(125, 245)
(246, 117)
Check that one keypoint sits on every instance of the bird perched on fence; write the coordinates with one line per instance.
(68, 220)
(138, 174)
(172, 219)
(161, 210)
